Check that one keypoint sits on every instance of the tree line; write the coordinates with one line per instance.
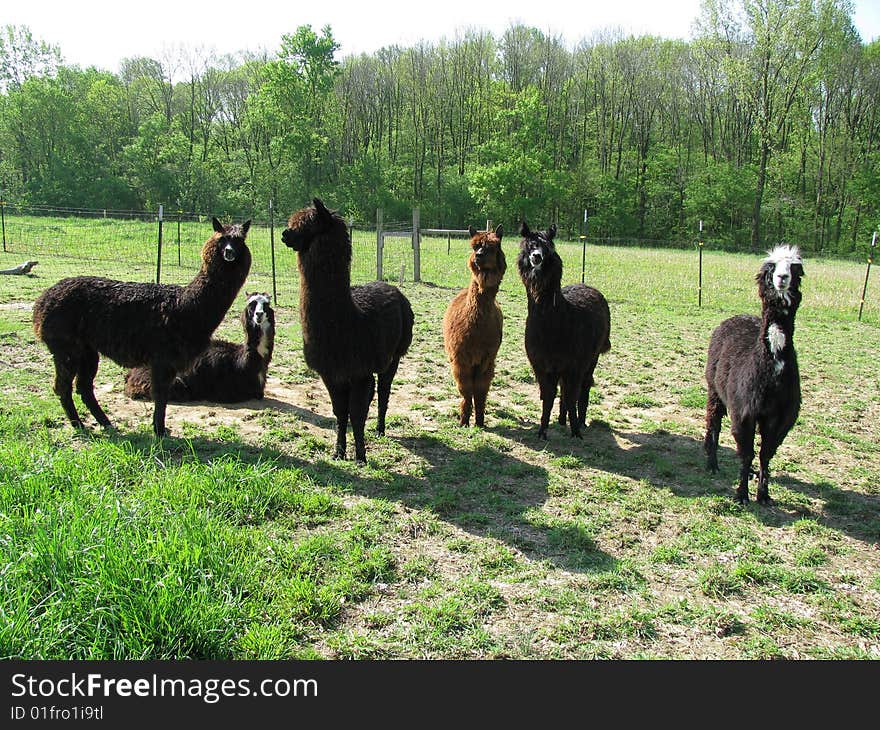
(765, 126)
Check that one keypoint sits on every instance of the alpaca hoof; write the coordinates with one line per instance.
(542, 433)
(764, 498)
(713, 468)
(339, 455)
(361, 459)
(742, 499)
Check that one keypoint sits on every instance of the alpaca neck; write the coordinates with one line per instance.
(262, 341)
(208, 297)
(325, 285)
(544, 296)
(776, 337)
(483, 291)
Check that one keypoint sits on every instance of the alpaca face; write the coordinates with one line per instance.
(487, 260)
(537, 255)
(230, 240)
(258, 311)
(304, 226)
(781, 272)
(258, 318)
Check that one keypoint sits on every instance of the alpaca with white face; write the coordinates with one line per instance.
(752, 372)
(225, 372)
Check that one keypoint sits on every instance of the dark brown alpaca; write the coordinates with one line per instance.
(226, 372)
(567, 328)
(162, 326)
(752, 372)
(350, 333)
(472, 325)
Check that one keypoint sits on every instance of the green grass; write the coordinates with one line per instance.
(239, 537)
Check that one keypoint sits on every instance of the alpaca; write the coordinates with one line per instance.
(349, 332)
(162, 326)
(566, 330)
(225, 372)
(752, 372)
(472, 325)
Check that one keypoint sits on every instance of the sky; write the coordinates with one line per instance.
(101, 33)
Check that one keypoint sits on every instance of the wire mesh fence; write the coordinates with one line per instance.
(125, 245)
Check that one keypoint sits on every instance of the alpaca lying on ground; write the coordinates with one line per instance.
(162, 326)
(752, 372)
(566, 330)
(472, 325)
(225, 372)
(349, 332)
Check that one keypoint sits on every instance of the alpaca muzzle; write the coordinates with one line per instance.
(536, 258)
(291, 240)
(229, 253)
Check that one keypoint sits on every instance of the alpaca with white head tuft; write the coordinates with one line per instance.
(752, 372)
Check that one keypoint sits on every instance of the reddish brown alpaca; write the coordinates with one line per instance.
(472, 325)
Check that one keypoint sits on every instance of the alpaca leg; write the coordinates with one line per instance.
(562, 413)
(584, 399)
(547, 384)
(715, 411)
(744, 434)
(482, 381)
(339, 396)
(85, 386)
(464, 379)
(769, 443)
(384, 392)
(570, 390)
(359, 405)
(64, 374)
(161, 376)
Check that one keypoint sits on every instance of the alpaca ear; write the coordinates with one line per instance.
(499, 231)
(472, 231)
(218, 226)
(320, 207)
(551, 231)
(245, 227)
(524, 230)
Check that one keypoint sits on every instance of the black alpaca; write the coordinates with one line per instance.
(349, 332)
(226, 372)
(161, 326)
(566, 330)
(752, 372)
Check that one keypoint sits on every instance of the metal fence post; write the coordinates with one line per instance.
(379, 244)
(867, 273)
(584, 252)
(700, 266)
(272, 249)
(159, 249)
(179, 213)
(416, 244)
(3, 220)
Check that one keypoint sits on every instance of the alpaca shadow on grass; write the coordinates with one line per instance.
(677, 463)
(267, 403)
(483, 491)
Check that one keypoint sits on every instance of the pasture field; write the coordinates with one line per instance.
(239, 537)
